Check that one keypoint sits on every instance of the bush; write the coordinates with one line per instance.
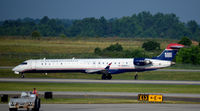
(185, 41)
(116, 47)
(62, 35)
(189, 55)
(151, 45)
(97, 50)
(35, 35)
(116, 51)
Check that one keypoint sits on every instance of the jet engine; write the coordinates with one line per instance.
(141, 62)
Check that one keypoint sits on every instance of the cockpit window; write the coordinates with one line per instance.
(23, 63)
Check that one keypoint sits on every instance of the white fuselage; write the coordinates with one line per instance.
(118, 65)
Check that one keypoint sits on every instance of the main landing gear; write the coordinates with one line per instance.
(136, 76)
(106, 77)
(22, 75)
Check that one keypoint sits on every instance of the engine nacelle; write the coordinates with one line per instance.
(141, 62)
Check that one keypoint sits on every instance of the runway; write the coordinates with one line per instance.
(174, 70)
(100, 81)
(114, 107)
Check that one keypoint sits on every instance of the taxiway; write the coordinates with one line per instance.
(99, 81)
(114, 107)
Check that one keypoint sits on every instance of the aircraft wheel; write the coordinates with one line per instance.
(12, 109)
(22, 75)
(103, 77)
(109, 77)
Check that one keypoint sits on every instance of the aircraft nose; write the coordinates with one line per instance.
(15, 70)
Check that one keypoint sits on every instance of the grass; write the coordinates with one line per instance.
(87, 87)
(185, 66)
(150, 75)
(14, 50)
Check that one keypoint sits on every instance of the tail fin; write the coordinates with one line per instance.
(170, 52)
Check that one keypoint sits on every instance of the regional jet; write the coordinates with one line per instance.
(104, 66)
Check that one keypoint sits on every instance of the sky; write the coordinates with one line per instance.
(77, 9)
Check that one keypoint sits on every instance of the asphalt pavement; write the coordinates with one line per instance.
(114, 107)
(99, 81)
(122, 95)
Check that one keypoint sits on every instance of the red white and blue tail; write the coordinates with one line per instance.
(170, 52)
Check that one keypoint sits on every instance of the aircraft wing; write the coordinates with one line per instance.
(104, 71)
(90, 71)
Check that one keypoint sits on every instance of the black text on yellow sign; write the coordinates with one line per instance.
(155, 98)
(150, 97)
(143, 97)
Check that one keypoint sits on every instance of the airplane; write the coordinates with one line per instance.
(104, 66)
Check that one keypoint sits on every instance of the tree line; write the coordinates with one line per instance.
(143, 25)
(188, 55)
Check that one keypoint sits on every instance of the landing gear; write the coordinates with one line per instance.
(22, 75)
(136, 76)
(103, 77)
(106, 77)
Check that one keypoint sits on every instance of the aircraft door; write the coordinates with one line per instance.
(32, 64)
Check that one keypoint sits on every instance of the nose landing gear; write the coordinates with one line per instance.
(22, 75)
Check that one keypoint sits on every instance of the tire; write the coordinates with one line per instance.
(37, 105)
(109, 77)
(12, 109)
(103, 77)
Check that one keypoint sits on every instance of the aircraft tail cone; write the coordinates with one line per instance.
(173, 63)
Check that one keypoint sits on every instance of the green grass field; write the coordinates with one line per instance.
(88, 87)
(14, 50)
